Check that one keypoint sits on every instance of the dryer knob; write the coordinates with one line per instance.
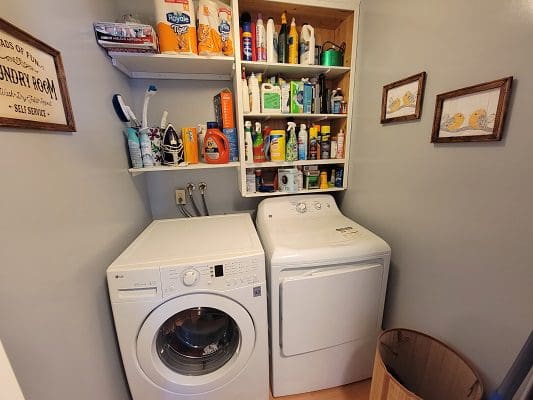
(301, 207)
(190, 277)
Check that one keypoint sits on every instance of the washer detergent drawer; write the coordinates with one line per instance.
(321, 309)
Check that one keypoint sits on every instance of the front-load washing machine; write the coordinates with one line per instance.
(189, 303)
(327, 278)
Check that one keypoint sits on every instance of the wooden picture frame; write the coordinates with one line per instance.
(402, 100)
(33, 88)
(472, 114)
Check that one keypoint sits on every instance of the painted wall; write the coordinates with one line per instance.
(458, 217)
(68, 208)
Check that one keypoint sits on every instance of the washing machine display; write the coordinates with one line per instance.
(197, 341)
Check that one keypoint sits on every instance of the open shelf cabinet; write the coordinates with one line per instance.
(333, 20)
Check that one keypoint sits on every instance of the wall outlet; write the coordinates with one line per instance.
(180, 196)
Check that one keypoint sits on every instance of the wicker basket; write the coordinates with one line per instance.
(411, 365)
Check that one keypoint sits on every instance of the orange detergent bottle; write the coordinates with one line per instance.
(216, 145)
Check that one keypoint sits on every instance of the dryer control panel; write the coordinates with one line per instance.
(223, 275)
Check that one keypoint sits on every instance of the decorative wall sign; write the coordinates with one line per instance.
(33, 89)
(402, 100)
(472, 114)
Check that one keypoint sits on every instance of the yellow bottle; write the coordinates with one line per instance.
(293, 43)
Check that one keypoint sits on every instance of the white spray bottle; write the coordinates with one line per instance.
(260, 39)
(255, 97)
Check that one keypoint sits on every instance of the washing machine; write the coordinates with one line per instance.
(189, 303)
(327, 277)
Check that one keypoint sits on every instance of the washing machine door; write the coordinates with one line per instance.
(195, 343)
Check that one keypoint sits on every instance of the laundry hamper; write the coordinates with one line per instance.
(411, 365)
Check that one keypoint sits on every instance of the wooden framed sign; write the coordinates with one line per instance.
(402, 100)
(33, 89)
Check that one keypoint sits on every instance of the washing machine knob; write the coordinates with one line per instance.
(318, 206)
(301, 207)
(190, 277)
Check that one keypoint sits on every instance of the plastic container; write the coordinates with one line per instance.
(176, 27)
(260, 38)
(283, 48)
(247, 41)
(134, 147)
(245, 94)
(288, 180)
(216, 145)
(325, 145)
(271, 41)
(292, 43)
(302, 143)
(146, 148)
(426, 367)
(259, 150)
(307, 45)
(277, 145)
(255, 98)
(313, 143)
(248, 142)
(291, 152)
(270, 98)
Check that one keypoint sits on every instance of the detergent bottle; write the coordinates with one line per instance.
(293, 43)
(216, 145)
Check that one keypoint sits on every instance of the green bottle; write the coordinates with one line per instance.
(259, 151)
(283, 43)
(291, 150)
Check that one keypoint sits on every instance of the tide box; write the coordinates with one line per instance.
(224, 109)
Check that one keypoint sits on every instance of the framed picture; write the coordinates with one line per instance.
(402, 100)
(33, 89)
(473, 114)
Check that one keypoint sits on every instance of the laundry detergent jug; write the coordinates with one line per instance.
(216, 145)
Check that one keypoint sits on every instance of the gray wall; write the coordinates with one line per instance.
(458, 217)
(68, 208)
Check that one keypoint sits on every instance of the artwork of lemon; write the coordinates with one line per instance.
(454, 123)
(394, 105)
(478, 119)
(408, 99)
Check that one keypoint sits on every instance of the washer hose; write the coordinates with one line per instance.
(190, 187)
(203, 186)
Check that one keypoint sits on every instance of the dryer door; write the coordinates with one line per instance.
(195, 343)
(326, 307)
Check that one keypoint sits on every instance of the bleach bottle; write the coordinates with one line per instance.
(216, 145)
(307, 45)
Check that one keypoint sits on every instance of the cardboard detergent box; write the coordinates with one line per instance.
(224, 109)
(297, 97)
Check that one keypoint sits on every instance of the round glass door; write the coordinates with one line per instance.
(197, 341)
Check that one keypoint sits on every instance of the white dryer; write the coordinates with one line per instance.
(327, 278)
(189, 303)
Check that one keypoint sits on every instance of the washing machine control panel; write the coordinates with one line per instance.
(223, 275)
(312, 206)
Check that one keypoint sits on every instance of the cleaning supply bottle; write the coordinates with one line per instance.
(277, 145)
(134, 146)
(146, 148)
(202, 130)
(336, 101)
(259, 151)
(313, 144)
(248, 142)
(255, 97)
(302, 143)
(291, 152)
(245, 93)
(325, 148)
(216, 145)
(333, 147)
(260, 37)
(283, 49)
(340, 144)
(307, 45)
(293, 44)
(247, 41)
(190, 144)
(271, 41)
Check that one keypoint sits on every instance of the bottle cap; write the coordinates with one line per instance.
(212, 125)
(302, 126)
(325, 129)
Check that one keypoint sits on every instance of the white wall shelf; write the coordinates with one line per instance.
(138, 171)
(163, 66)
(294, 71)
(265, 194)
(314, 117)
(278, 164)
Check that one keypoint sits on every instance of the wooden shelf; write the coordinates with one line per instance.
(138, 171)
(275, 164)
(315, 117)
(163, 66)
(294, 71)
(265, 194)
